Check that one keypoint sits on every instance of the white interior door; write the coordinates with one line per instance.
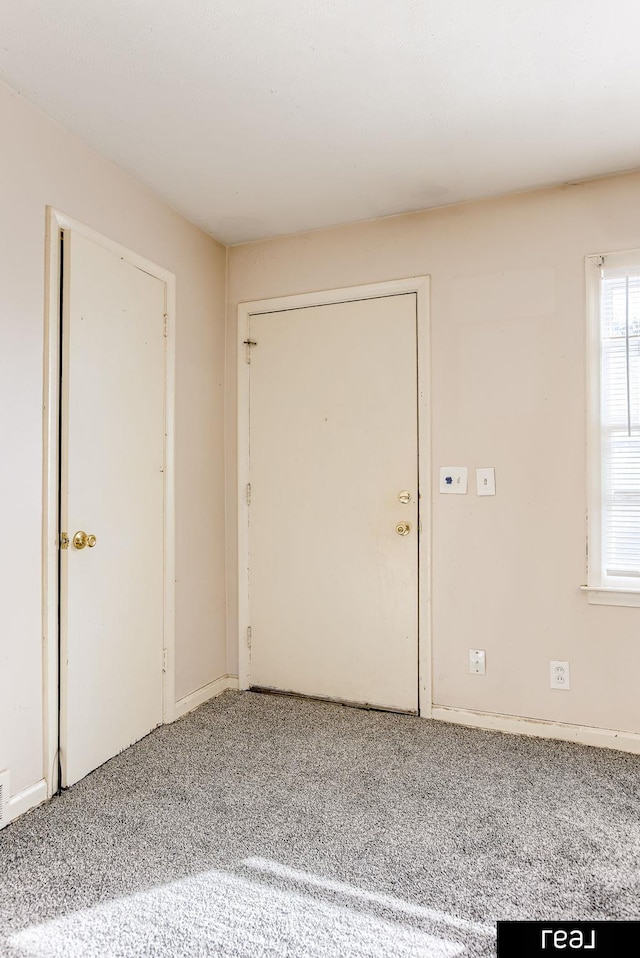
(333, 445)
(112, 487)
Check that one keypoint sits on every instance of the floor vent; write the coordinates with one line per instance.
(4, 799)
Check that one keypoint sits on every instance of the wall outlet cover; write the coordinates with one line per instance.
(453, 480)
(559, 675)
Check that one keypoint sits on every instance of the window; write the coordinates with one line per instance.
(614, 434)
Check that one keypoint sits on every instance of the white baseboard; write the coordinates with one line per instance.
(194, 699)
(26, 800)
(540, 728)
(36, 794)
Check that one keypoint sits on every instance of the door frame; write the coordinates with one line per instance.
(55, 222)
(419, 285)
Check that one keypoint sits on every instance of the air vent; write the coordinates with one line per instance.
(4, 799)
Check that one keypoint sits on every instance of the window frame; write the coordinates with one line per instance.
(601, 589)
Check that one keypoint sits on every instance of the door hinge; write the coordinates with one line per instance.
(64, 540)
(249, 343)
(165, 330)
(248, 636)
(164, 660)
(248, 493)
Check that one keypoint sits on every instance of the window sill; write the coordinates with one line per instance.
(609, 596)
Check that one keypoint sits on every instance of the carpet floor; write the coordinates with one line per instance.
(271, 826)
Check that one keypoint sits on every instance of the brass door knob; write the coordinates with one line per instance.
(403, 528)
(81, 539)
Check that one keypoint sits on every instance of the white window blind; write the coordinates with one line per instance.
(620, 422)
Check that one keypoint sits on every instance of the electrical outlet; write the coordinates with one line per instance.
(559, 675)
(477, 662)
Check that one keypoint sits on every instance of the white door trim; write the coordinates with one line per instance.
(413, 284)
(57, 221)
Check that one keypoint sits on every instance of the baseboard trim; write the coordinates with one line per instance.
(26, 800)
(540, 728)
(194, 699)
(36, 794)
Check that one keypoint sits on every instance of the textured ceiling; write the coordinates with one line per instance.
(260, 117)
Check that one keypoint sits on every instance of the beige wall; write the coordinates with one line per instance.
(41, 164)
(508, 390)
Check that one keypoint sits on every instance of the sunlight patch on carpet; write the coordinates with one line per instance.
(218, 913)
(376, 899)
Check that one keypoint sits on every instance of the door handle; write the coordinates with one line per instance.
(403, 528)
(81, 539)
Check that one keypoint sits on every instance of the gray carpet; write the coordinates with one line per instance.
(271, 826)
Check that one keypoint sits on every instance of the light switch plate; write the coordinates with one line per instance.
(453, 480)
(486, 482)
(477, 662)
